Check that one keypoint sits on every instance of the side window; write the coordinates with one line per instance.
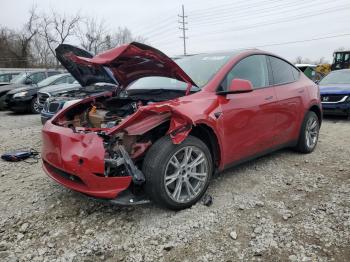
(252, 68)
(339, 57)
(4, 78)
(37, 77)
(62, 80)
(71, 80)
(282, 72)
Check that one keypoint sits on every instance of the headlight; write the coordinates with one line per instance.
(20, 94)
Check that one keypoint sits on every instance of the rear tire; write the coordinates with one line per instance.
(177, 176)
(309, 133)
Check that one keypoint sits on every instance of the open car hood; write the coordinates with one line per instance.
(121, 65)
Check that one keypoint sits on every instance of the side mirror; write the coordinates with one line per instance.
(238, 86)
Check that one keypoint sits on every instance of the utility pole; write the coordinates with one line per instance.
(183, 28)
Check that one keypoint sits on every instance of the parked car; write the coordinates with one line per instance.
(53, 105)
(56, 102)
(24, 79)
(5, 78)
(168, 126)
(335, 92)
(56, 90)
(24, 99)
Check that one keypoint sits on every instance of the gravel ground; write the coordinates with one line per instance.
(282, 207)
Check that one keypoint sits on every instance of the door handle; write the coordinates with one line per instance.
(301, 91)
(269, 98)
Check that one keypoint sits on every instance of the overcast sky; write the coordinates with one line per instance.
(214, 25)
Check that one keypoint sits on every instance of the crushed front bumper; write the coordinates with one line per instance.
(76, 160)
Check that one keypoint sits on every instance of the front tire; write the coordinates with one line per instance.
(2, 102)
(34, 106)
(309, 133)
(177, 176)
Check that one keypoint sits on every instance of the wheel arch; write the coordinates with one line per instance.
(206, 134)
(317, 110)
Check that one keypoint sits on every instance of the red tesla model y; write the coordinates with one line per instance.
(157, 129)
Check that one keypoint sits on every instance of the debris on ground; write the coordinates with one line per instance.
(207, 200)
(269, 209)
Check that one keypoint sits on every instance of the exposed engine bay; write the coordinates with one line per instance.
(124, 150)
(106, 114)
(109, 112)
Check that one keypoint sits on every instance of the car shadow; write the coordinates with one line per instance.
(12, 113)
(336, 118)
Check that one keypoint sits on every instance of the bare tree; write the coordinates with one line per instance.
(35, 43)
(17, 44)
(93, 35)
(28, 33)
(342, 48)
(299, 60)
(41, 53)
(320, 61)
(56, 29)
(123, 36)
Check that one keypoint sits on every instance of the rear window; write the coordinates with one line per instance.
(282, 72)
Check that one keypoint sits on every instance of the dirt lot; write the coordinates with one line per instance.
(285, 206)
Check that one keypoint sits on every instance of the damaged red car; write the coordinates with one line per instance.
(161, 128)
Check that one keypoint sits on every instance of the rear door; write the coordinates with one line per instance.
(248, 119)
(290, 95)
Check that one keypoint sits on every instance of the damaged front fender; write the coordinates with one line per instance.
(149, 117)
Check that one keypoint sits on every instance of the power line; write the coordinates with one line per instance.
(154, 22)
(303, 41)
(243, 16)
(183, 28)
(165, 27)
(272, 22)
(267, 23)
(263, 12)
(161, 25)
(234, 7)
(219, 7)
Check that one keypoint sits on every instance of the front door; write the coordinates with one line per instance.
(248, 119)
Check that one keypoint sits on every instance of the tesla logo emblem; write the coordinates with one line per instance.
(325, 99)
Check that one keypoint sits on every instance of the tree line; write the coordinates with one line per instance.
(34, 44)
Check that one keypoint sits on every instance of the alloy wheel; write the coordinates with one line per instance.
(36, 106)
(312, 129)
(186, 174)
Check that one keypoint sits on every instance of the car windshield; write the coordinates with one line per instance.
(336, 77)
(19, 79)
(48, 81)
(200, 68)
